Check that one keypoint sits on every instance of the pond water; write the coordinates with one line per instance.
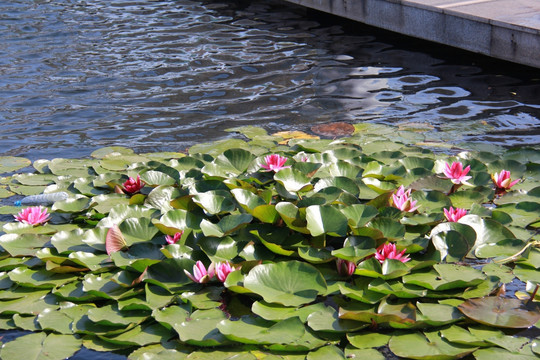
(163, 75)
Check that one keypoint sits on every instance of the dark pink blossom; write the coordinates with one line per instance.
(174, 239)
(345, 267)
(388, 251)
(453, 215)
(223, 269)
(133, 185)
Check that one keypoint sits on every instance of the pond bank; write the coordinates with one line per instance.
(507, 30)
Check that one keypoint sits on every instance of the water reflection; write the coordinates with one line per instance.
(164, 75)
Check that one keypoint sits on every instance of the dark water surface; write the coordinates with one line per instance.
(163, 75)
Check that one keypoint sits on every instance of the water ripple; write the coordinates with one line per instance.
(163, 75)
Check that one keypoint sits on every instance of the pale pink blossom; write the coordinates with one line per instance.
(401, 199)
(503, 181)
(345, 267)
(274, 162)
(388, 251)
(174, 239)
(200, 274)
(223, 269)
(33, 215)
(133, 185)
(456, 173)
(453, 215)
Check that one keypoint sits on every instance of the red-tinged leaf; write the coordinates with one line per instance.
(118, 189)
(501, 312)
(333, 129)
(139, 279)
(115, 240)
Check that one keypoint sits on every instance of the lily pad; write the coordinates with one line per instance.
(427, 346)
(501, 312)
(291, 283)
(41, 346)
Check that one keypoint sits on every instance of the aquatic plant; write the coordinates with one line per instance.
(109, 271)
(33, 215)
(456, 173)
(389, 251)
(133, 185)
(274, 162)
(402, 200)
(454, 215)
(174, 238)
(503, 182)
(200, 274)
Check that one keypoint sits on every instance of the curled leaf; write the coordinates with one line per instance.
(115, 240)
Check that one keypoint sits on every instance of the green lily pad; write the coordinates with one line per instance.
(453, 239)
(326, 220)
(368, 340)
(199, 328)
(12, 163)
(39, 278)
(329, 352)
(23, 244)
(276, 312)
(291, 283)
(41, 346)
(427, 346)
(221, 249)
(293, 180)
(445, 277)
(215, 202)
(141, 335)
(251, 330)
(327, 319)
(227, 225)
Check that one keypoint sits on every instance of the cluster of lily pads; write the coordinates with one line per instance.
(281, 246)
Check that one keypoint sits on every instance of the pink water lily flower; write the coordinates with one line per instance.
(388, 251)
(223, 269)
(401, 199)
(33, 215)
(345, 267)
(453, 215)
(200, 274)
(456, 173)
(174, 239)
(133, 185)
(274, 162)
(503, 181)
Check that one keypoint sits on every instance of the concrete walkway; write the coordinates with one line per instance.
(503, 29)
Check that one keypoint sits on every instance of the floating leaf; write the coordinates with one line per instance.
(251, 330)
(427, 346)
(293, 180)
(114, 240)
(326, 220)
(200, 328)
(12, 163)
(501, 312)
(335, 129)
(41, 346)
(290, 283)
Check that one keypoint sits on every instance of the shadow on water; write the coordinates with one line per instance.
(165, 75)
